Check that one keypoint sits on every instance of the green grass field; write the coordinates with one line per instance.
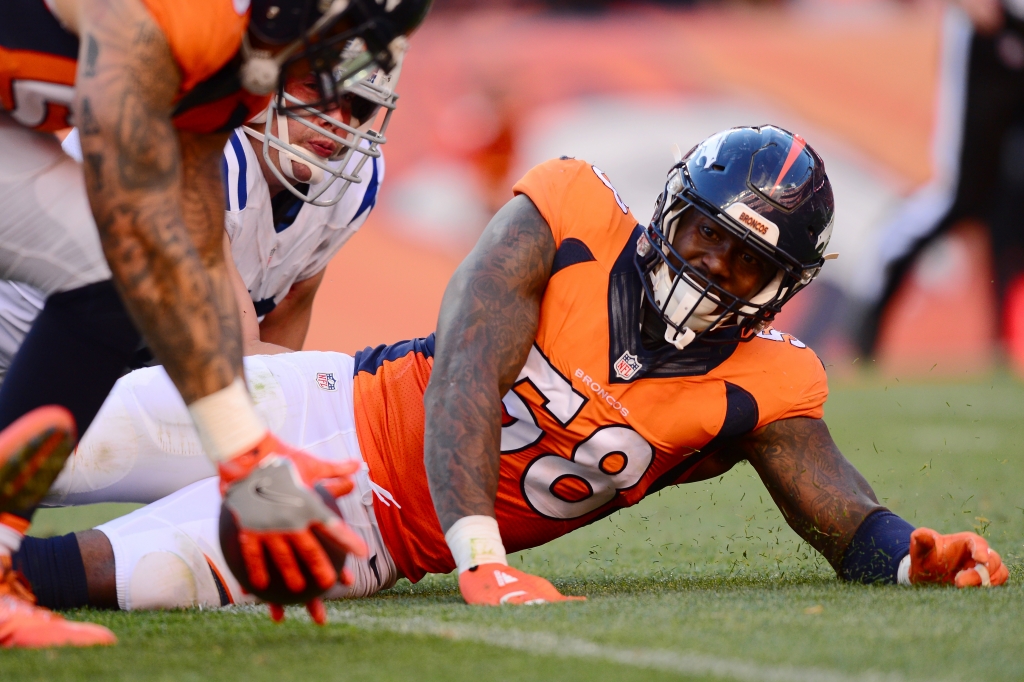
(701, 582)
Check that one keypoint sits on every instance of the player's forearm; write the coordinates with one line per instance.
(487, 324)
(821, 495)
(150, 197)
(288, 323)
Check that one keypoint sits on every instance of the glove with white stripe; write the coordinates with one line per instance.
(961, 559)
(485, 578)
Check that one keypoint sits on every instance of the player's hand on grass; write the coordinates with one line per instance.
(497, 584)
(269, 491)
(962, 559)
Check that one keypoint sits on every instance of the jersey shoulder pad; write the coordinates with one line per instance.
(577, 200)
(202, 34)
(786, 377)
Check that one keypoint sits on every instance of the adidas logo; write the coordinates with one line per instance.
(504, 578)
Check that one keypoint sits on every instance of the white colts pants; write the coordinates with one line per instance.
(47, 235)
(142, 447)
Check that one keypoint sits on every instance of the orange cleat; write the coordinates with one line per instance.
(32, 453)
(27, 626)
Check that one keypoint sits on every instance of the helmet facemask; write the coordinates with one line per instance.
(691, 305)
(356, 141)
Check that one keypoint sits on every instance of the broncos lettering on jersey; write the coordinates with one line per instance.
(38, 60)
(595, 421)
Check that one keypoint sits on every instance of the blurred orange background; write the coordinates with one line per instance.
(482, 90)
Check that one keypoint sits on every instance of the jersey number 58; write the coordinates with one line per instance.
(610, 459)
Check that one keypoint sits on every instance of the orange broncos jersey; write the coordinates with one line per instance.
(595, 421)
(38, 60)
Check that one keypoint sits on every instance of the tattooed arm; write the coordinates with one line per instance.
(488, 322)
(156, 197)
(823, 497)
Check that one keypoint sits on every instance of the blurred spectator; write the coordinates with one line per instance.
(978, 153)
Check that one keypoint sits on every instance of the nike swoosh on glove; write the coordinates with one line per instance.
(269, 491)
(497, 584)
(962, 559)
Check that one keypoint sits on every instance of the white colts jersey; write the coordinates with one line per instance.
(270, 254)
(273, 252)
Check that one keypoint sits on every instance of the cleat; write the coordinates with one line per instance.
(32, 453)
(23, 625)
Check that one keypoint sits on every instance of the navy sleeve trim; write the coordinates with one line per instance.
(570, 252)
(371, 359)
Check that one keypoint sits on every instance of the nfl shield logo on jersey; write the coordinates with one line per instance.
(326, 381)
(627, 365)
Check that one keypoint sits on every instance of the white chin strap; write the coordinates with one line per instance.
(316, 174)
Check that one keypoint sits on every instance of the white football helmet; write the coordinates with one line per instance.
(375, 90)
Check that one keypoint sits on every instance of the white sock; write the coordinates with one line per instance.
(10, 540)
(227, 422)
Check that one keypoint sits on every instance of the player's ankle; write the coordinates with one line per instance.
(227, 422)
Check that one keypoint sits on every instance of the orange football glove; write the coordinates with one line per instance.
(497, 584)
(963, 559)
(269, 490)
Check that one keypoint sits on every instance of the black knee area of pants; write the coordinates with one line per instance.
(54, 569)
(77, 348)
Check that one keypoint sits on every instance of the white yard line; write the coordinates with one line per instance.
(551, 644)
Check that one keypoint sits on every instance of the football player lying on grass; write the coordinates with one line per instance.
(581, 363)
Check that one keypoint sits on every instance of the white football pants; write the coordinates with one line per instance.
(142, 447)
(47, 235)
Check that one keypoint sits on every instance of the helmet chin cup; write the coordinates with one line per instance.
(688, 307)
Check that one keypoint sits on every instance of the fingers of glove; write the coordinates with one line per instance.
(276, 613)
(979, 548)
(1001, 574)
(338, 487)
(346, 577)
(312, 554)
(317, 611)
(255, 563)
(969, 577)
(497, 584)
(338, 533)
(281, 554)
(543, 589)
(313, 470)
(990, 574)
(922, 542)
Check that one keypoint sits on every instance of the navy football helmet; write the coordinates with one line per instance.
(765, 186)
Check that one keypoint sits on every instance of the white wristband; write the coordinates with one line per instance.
(475, 540)
(227, 422)
(903, 572)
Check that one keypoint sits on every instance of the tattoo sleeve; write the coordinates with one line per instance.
(823, 497)
(488, 322)
(156, 197)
